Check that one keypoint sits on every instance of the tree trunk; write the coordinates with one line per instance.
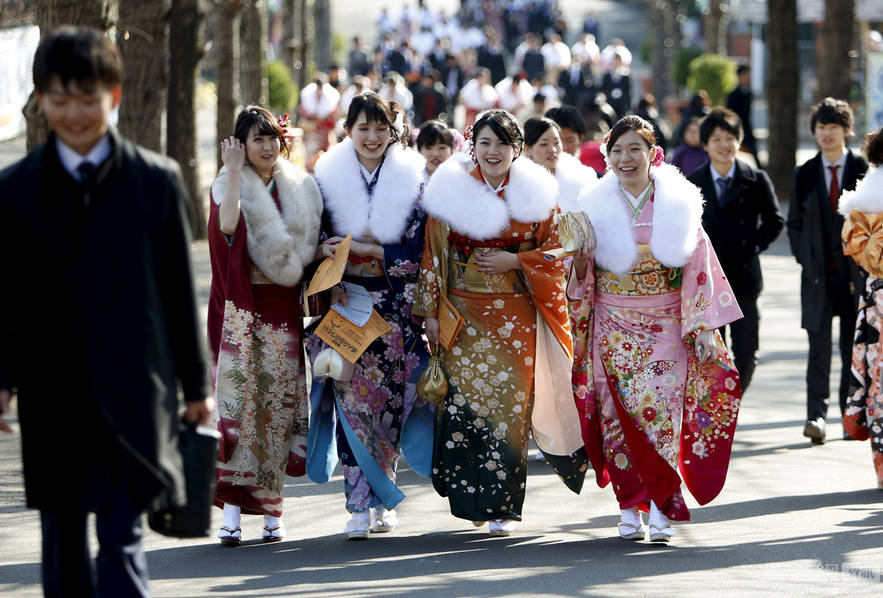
(305, 44)
(143, 36)
(715, 28)
(228, 52)
(252, 46)
(185, 53)
(50, 14)
(290, 39)
(323, 52)
(835, 45)
(783, 81)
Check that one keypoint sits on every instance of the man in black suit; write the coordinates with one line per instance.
(431, 99)
(741, 218)
(452, 77)
(739, 101)
(572, 83)
(831, 283)
(490, 56)
(98, 323)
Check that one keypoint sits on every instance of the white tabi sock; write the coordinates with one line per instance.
(232, 516)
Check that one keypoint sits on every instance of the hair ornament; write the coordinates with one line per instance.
(284, 122)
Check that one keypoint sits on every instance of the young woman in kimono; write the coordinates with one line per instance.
(542, 144)
(862, 240)
(263, 228)
(489, 224)
(370, 186)
(654, 382)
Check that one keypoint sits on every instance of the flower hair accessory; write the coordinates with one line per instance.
(470, 147)
(398, 124)
(659, 158)
(284, 121)
(603, 149)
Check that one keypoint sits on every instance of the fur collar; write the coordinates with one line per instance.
(677, 216)
(281, 245)
(472, 209)
(573, 178)
(346, 199)
(867, 197)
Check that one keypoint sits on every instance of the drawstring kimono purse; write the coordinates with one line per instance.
(432, 386)
(575, 230)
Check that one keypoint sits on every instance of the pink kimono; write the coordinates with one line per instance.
(648, 408)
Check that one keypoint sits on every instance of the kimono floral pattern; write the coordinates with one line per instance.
(262, 410)
(382, 391)
(645, 400)
(863, 418)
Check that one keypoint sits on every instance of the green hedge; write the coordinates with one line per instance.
(281, 87)
(715, 74)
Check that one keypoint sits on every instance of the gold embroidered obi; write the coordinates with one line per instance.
(465, 274)
(650, 277)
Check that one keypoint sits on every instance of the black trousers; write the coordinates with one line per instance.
(120, 569)
(838, 301)
(744, 339)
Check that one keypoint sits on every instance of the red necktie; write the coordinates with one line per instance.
(834, 189)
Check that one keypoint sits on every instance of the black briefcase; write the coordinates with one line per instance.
(199, 452)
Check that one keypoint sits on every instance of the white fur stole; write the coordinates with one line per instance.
(677, 216)
(573, 178)
(867, 197)
(470, 208)
(279, 244)
(383, 217)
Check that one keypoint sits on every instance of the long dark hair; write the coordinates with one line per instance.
(504, 126)
(379, 111)
(266, 123)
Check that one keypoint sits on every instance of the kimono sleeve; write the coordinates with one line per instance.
(433, 276)
(545, 278)
(707, 300)
(401, 261)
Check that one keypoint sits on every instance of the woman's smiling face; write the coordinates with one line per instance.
(630, 161)
(493, 155)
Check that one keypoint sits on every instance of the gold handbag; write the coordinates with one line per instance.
(432, 386)
(574, 231)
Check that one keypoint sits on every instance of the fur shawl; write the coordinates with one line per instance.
(470, 208)
(677, 217)
(352, 212)
(867, 197)
(281, 245)
(573, 178)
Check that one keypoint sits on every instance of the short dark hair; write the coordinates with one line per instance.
(378, 110)
(534, 128)
(874, 147)
(568, 117)
(433, 132)
(78, 55)
(504, 126)
(266, 124)
(831, 111)
(720, 118)
(632, 122)
(743, 68)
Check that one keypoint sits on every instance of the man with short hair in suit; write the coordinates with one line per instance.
(830, 283)
(100, 301)
(741, 218)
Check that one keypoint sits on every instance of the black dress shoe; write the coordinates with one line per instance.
(815, 430)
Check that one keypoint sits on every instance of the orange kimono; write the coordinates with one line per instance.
(508, 369)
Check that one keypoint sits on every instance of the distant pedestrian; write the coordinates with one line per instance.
(831, 283)
(739, 101)
(862, 237)
(689, 156)
(98, 323)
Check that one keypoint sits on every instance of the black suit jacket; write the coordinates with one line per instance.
(742, 225)
(573, 93)
(814, 233)
(493, 61)
(99, 324)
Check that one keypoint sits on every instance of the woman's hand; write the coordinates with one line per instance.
(233, 154)
(338, 295)
(497, 262)
(431, 326)
(705, 347)
(366, 250)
